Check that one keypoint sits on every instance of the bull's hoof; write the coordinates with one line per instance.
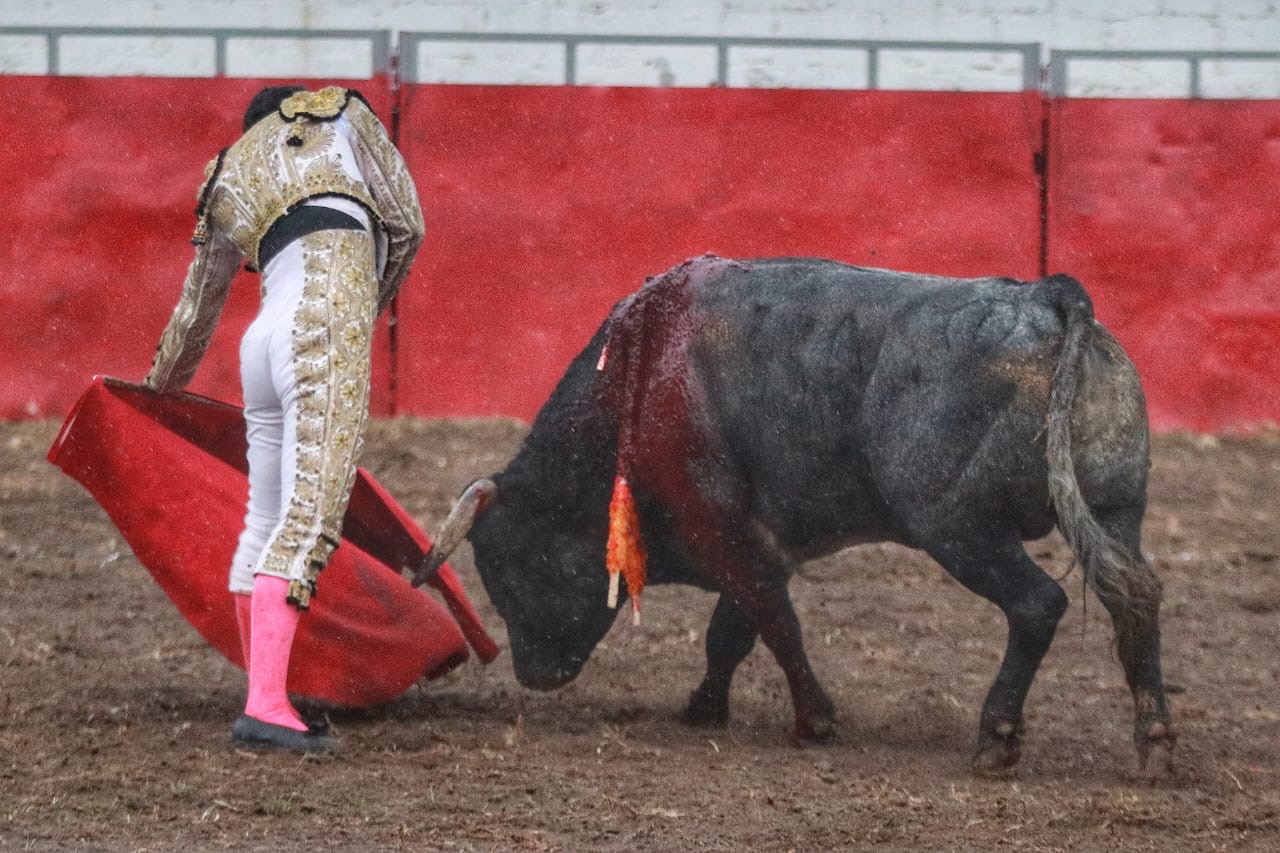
(705, 711)
(1157, 736)
(995, 759)
(819, 729)
(998, 750)
(816, 718)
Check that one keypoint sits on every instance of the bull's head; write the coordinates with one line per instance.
(543, 570)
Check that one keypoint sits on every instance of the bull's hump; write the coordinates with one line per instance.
(1003, 315)
(702, 268)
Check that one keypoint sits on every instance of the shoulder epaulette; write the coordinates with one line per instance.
(324, 105)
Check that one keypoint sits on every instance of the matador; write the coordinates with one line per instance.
(315, 197)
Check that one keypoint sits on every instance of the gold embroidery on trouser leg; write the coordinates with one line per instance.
(333, 329)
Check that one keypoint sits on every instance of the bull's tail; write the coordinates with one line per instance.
(1112, 572)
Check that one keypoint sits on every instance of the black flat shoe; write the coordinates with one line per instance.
(251, 733)
(316, 725)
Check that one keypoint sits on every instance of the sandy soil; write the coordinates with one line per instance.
(114, 713)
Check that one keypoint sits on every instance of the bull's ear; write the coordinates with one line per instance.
(475, 499)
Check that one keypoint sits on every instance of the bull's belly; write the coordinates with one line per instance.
(813, 544)
(811, 550)
(807, 523)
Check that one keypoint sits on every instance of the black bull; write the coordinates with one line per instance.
(772, 411)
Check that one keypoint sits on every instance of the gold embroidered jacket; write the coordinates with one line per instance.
(283, 160)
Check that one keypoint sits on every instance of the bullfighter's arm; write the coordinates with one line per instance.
(204, 292)
(387, 176)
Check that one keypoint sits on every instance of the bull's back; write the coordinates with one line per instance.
(869, 404)
(781, 359)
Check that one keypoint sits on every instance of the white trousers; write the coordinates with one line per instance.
(304, 369)
(270, 391)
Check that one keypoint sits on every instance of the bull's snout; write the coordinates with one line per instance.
(545, 679)
(540, 672)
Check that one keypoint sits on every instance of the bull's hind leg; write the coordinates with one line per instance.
(999, 570)
(730, 638)
(1135, 613)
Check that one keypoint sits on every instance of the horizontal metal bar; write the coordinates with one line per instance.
(212, 32)
(1166, 54)
(734, 41)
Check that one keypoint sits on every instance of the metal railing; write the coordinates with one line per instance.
(410, 45)
(1058, 83)
(379, 40)
(402, 53)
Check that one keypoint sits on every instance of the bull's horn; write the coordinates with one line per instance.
(473, 501)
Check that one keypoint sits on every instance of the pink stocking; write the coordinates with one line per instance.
(244, 610)
(275, 621)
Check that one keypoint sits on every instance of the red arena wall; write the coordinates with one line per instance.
(546, 204)
(1166, 210)
(99, 179)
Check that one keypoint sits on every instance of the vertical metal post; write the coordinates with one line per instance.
(407, 57)
(51, 40)
(381, 57)
(1031, 67)
(1057, 74)
(220, 55)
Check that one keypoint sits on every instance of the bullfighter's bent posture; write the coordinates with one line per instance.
(316, 197)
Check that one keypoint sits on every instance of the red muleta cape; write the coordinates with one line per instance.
(170, 471)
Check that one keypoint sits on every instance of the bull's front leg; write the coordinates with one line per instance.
(754, 593)
(713, 521)
(769, 604)
(730, 638)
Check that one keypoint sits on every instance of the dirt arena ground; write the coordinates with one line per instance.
(114, 714)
